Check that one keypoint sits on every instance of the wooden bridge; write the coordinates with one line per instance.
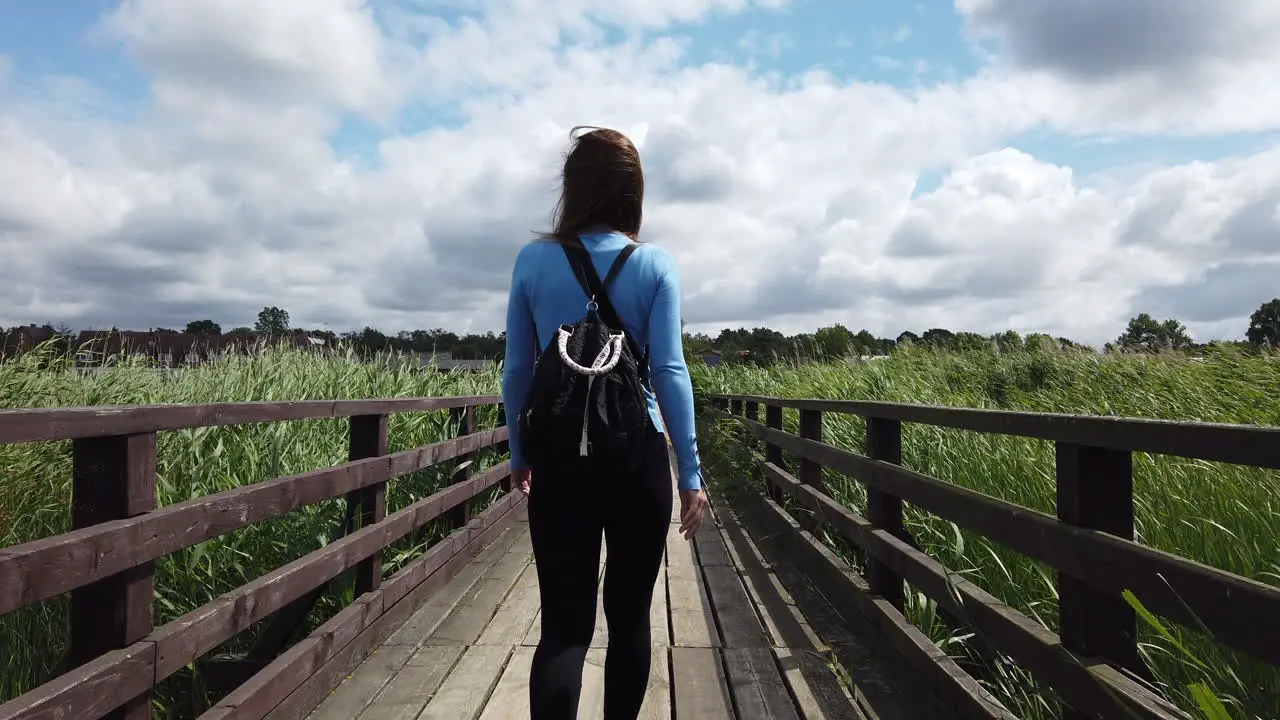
(757, 618)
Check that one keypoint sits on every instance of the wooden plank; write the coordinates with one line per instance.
(406, 694)
(363, 685)
(38, 570)
(803, 657)
(756, 685)
(91, 691)
(407, 590)
(600, 635)
(467, 620)
(45, 424)
(693, 623)
(515, 616)
(423, 622)
(510, 698)
(679, 550)
(657, 695)
(1085, 682)
(466, 690)
(263, 692)
(817, 691)
(183, 640)
(735, 615)
(535, 631)
(1192, 594)
(591, 702)
(862, 658)
(937, 682)
(659, 618)
(711, 549)
(698, 684)
(784, 623)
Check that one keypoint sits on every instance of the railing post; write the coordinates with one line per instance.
(884, 443)
(773, 453)
(460, 514)
(1095, 491)
(504, 446)
(736, 409)
(720, 403)
(368, 439)
(752, 414)
(810, 471)
(113, 478)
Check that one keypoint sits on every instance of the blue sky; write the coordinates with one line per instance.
(902, 44)
(980, 164)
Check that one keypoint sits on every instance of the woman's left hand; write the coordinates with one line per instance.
(522, 478)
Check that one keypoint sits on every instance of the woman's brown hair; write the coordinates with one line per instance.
(602, 185)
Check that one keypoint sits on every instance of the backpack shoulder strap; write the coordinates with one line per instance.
(618, 263)
(585, 271)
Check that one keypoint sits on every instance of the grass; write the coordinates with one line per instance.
(1224, 516)
(1221, 515)
(35, 484)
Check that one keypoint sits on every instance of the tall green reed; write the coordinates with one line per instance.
(1222, 515)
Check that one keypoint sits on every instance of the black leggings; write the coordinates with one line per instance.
(567, 516)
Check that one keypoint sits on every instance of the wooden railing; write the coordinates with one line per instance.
(1091, 664)
(106, 562)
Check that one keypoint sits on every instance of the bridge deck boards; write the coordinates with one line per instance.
(728, 642)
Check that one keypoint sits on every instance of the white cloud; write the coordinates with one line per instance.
(290, 51)
(1139, 66)
(786, 200)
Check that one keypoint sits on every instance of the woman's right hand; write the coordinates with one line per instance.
(692, 505)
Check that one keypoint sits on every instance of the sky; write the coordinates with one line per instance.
(981, 165)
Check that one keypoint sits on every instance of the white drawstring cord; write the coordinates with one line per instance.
(605, 361)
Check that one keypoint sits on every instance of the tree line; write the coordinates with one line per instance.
(759, 346)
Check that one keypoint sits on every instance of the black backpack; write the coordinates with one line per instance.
(586, 409)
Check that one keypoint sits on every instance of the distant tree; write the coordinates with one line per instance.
(937, 337)
(273, 321)
(1040, 342)
(908, 337)
(1146, 333)
(969, 341)
(834, 341)
(203, 327)
(1264, 325)
(1008, 341)
(372, 340)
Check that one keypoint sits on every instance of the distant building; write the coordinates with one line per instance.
(22, 339)
(710, 356)
(445, 362)
(175, 349)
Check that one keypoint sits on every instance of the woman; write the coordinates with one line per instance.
(600, 204)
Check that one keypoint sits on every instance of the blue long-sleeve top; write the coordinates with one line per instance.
(646, 294)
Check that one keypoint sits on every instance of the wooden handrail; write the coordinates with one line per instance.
(1090, 542)
(106, 562)
(45, 424)
(1258, 446)
(44, 568)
